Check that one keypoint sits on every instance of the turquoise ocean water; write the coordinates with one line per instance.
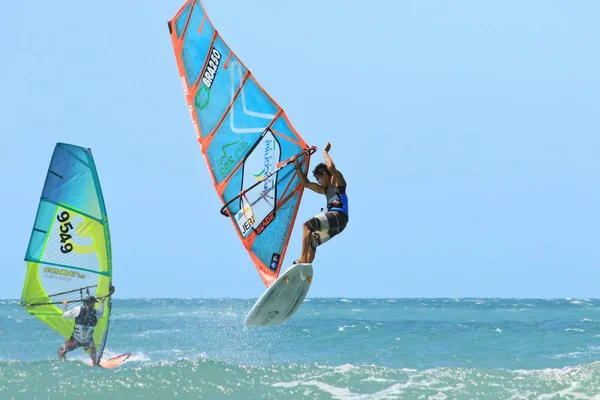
(331, 349)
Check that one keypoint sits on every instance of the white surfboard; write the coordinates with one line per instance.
(283, 298)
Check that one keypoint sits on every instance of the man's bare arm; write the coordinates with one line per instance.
(338, 178)
(315, 187)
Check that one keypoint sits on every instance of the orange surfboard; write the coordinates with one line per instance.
(113, 362)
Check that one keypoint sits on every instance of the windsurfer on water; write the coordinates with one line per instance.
(320, 228)
(86, 319)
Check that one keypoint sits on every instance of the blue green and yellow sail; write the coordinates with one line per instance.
(69, 252)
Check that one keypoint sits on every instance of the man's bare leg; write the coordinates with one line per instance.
(93, 354)
(311, 254)
(306, 238)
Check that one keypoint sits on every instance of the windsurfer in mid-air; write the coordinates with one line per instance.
(320, 228)
(86, 319)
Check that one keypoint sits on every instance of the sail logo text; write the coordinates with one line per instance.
(245, 219)
(228, 160)
(63, 272)
(210, 72)
(269, 166)
(265, 222)
(65, 229)
(274, 261)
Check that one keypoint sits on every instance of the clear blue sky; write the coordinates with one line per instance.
(469, 134)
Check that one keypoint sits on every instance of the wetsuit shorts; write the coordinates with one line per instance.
(71, 344)
(325, 226)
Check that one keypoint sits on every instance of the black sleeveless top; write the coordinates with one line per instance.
(86, 317)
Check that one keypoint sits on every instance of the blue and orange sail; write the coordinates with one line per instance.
(246, 138)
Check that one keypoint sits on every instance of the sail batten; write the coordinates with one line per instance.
(105, 273)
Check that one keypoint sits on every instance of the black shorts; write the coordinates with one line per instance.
(325, 226)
